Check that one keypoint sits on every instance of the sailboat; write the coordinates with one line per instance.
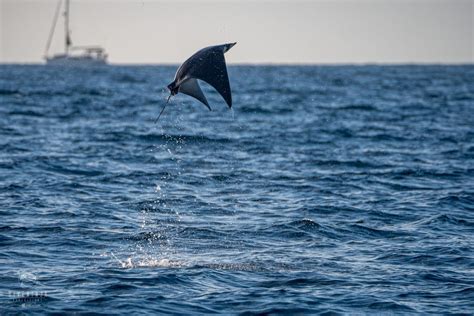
(73, 55)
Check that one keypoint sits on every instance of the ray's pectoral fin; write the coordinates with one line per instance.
(214, 72)
(191, 87)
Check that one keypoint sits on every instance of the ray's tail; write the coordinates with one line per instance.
(164, 107)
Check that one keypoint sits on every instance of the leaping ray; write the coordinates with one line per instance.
(208, 64)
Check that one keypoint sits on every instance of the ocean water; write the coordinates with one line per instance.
(327, 189)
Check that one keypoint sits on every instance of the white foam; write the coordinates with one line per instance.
(151, 263)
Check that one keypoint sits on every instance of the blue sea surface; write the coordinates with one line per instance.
(326, 189)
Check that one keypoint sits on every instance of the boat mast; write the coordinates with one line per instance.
(53, 27)
(66, 28)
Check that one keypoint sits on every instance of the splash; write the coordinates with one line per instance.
(148, 262)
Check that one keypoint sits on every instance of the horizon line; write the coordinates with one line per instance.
(408, 63)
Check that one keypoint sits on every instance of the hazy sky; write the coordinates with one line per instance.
(338, 31)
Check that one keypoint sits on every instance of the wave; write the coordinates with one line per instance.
(7, 91)
(265, 110)
(442, 219)
(360, 230)
(32, 229)
(462, 200)
(355, 107)
(26, 113)
(182, 138)
(128, 78)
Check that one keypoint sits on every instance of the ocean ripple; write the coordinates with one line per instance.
(349, 191)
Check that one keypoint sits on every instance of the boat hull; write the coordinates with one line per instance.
(76, 61)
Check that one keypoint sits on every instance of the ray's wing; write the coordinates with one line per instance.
(209, 66)
(191, 87)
